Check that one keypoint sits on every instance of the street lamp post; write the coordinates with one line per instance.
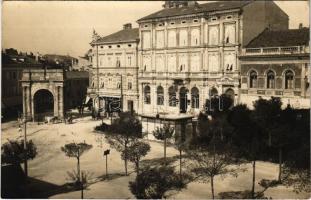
(24, 120)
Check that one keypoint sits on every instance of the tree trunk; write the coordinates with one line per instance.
(125, 159)
(180, 164)
(137, 167)
(212, 187)
(280, 164)
(78, 168)
(82, 190)
(253, 182)
(165, 151)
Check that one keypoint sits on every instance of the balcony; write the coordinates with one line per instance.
(275, 50)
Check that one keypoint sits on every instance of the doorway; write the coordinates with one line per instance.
(183, 103)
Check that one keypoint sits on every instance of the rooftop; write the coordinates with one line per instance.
(198, 8)
(77, 74)
(120, 36)
(281, 38)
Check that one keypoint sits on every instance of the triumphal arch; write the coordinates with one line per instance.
(43, 93)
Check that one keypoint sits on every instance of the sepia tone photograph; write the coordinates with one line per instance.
(155, 100)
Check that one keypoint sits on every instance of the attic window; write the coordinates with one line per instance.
(160, 24)
(183, 22)
(172, 23)
(214, 18)
(118, 46)
(146, 26)
(229, 17)
(109, 47)
(195, 20)
(101, 47)
(129, 45)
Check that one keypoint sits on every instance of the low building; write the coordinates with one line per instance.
(12, 68)
(277, 63)
(75, 87)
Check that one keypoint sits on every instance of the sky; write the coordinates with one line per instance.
(54, 27)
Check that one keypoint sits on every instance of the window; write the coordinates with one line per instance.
(129, 85)
(146, 40)
(172, 96)
(195, 100)
(103, 85)
(183, 22)
(195, 37)
(289, 80)
(118, 85)
(270, 80)
(14, 75)
(118, 63)
(160, 96)
(171, 38)
(118, 46)
(253, 79)
(183, 37)
(146, 26)
(195, 20)
(214, 18)
(172, 23)
(213, 35)
(230, 34)
(129, 45)
(229, 17)
(147, 98)
(101, 47)
(109, 47)
(160, 39)
(109, 61)
(129, 61)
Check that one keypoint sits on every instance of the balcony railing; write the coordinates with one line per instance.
(276, 50)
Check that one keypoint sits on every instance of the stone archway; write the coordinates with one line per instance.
(43, 87)
(43, 101)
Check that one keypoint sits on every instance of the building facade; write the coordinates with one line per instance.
(113, 78)
(188, 52)
(277, 63)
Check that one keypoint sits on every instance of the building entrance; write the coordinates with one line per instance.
(183, 103)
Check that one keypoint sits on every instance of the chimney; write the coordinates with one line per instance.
(127, 26)
(300, 25)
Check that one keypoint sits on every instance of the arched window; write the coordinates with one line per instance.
(213, 92)
(289, 80)
(147, 98)
(118, 85)
(270, 80)
(160, 96)
(172, 96)
(103, 84)
(253, 79)
(195, 100)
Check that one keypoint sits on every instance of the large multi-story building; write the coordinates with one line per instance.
(188, 53)
(277, 63)
(181, 56)
(113, 78)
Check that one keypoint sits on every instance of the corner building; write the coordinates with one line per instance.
(113, 76)
(277, 63)
(188, 53)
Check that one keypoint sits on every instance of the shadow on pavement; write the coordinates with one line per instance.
(15, 185)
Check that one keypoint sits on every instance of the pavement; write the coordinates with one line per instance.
(50, 167)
